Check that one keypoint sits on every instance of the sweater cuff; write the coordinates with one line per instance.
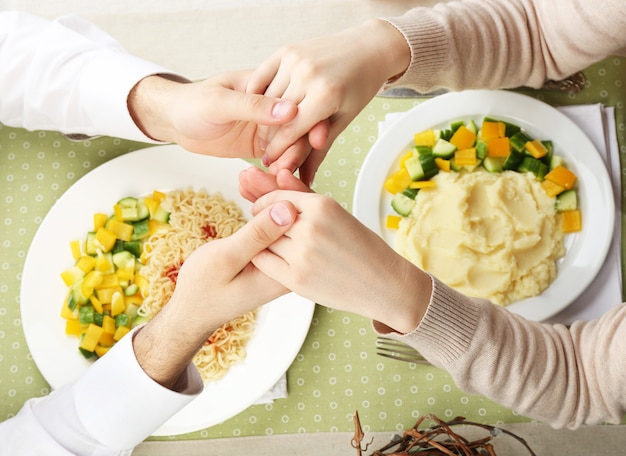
(428, 43)
(447, 328)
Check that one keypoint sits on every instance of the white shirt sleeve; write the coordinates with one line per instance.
(109, 410)
(67, 75)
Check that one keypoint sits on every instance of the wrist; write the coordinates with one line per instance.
(166, 345)
(408, 305)
(149, 103)
(394, 53)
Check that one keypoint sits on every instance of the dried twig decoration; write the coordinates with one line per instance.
(438, 439)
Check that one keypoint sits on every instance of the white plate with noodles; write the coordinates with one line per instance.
(138, 173)
(585, 250)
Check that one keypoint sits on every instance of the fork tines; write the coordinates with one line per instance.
(394, 349)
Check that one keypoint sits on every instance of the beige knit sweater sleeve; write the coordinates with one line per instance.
(508, 43)
(564, 377)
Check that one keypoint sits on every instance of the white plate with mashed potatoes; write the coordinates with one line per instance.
(585, 251)
(163, 168)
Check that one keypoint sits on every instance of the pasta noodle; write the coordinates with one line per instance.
(196, 217)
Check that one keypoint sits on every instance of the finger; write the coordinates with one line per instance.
(293, 157)
(309, 168)
(295, 197)
(287, 181)
(310, 114)
(254, 183)
(318, 135)
(260, 232)
(265, 73)
(259, 109)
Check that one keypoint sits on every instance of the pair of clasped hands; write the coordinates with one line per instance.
(297, 240)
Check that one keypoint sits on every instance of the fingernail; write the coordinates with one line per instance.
(265, 160)
(280, 109)
(280, 214)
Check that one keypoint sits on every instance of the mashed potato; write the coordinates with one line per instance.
(493, 236)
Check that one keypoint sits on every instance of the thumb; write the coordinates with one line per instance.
(257, 108)
(261, 232)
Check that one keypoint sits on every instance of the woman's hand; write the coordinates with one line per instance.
(331, 79)
(328, 256)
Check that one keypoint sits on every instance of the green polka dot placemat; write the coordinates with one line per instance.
(336, 371)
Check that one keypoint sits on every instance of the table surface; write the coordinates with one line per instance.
(336, 371)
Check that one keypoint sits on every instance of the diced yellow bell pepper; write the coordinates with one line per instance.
(571, 221)
(465, 157)
(117, 303)
(134, 299)
(121, 332)
(442, 164)
(76, 249)
(73, 328)
(151, 204)
(463, 138)
(109, 281)
(536, 148)
(141, 281)
(95, 302)
(91, 338)
(157, 195)
(491, 130)
(425, 138)
(499, 147)
(551, 188)
(108, 325)
(122, 231)
(107, 339)
(126, 273)
(562, 176)
(92, 280)
(86, 263)
(105, 295)
(101, 351)
(405, 157)
(99, 220)
(66, 312)
(398, 181)
(393, 222)
(156, 227)
(72, 275)
(423, 184)
(105, 239)
(117, 212)
(104, 264)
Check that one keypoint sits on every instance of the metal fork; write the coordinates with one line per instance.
(571, 84)
(394, 349)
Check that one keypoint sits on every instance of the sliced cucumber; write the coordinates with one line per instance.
(90, 244)
(443, 149)
(519, 140)
(161, 215)
(556, 160)
(402, 204)
(513, 160)
(494, 164)
(533, 165)
(141, 230)
(566, 201)
(471, 126)
(481, 149)
(124, 259)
